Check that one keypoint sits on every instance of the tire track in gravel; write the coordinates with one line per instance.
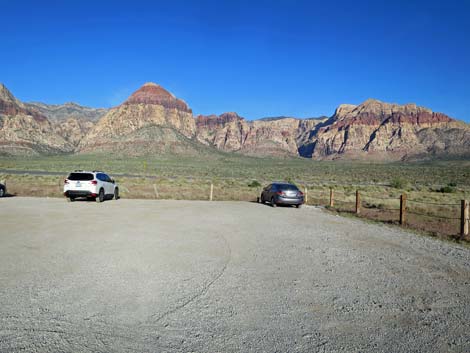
(154, 319)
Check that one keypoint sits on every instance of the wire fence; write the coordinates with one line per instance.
(447, 217)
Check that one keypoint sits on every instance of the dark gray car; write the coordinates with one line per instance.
(282, 194)
(3, 189)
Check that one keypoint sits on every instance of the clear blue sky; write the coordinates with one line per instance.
(258, 58)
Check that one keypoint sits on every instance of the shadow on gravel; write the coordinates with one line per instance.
(8, 195)
(84, 199)
(269, 205)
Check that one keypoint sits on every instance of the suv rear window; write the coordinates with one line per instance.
(80, 176)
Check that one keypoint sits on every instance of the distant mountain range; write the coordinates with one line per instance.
(152, 120)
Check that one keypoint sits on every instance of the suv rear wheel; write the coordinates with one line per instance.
(116, 194)
(100, 197)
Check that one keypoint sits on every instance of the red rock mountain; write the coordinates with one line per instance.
(25, 131)
(377, 130)
(151, 93)
(230, 132)
(153, 121)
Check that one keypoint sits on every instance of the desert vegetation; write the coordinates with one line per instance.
(433, 188)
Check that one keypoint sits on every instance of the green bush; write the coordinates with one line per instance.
(398, 183)
(254, 184)
(447, 189)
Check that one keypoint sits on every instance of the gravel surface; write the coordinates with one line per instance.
(188, 276)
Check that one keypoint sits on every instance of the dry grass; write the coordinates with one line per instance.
(237, 178)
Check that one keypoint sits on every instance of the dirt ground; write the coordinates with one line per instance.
(196, 276)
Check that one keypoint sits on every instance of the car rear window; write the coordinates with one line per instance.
(80, 176)
(288, 187)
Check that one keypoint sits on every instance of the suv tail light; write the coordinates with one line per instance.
(66, 181)
(94, 182)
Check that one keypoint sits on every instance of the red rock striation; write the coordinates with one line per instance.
(212, 122)
(11, 108)
(387, 131)
(151, 93)
(24, 130)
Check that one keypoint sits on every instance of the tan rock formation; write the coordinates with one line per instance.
(230, 132)
(377, 130)
(148, 107)
(25, 131)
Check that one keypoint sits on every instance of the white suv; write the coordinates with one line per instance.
(93, 185)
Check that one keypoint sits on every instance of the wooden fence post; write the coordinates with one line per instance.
(358, 202)
(402, 209)
(212, 192)
(155, 190)
(464, 219)
(332, 201)
(306, 195)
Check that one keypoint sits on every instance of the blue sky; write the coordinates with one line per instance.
(258, 58)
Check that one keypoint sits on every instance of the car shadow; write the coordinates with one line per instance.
(9, 195)
(84, 199)
(269, 205)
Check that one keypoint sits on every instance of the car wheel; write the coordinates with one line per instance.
(2, 192)
(273, 203)
(298, 206)
(100, 197)
(71, 199)
(116, 194)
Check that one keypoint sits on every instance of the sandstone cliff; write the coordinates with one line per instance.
(24, 130)
(273, 136)
(152, 120)
(62, 112)
(70, 120)
(377, 130)
(149, 107)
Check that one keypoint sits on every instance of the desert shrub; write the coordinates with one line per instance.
(398, 183)
(452, 184)
(254, 184)
(446, 189)
(288, 179)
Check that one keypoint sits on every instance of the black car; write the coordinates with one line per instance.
(282, 194)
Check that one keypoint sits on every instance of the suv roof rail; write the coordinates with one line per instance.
(78, 170)
(98, 171)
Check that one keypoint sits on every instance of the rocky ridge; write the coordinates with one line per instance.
(384, 131)
(275, 136)
(62, 112)
(25, 131)
(150, 108)
(70, 120)
(152, 120)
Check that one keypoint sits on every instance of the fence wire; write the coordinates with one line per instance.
(431, 216)
(434, 203)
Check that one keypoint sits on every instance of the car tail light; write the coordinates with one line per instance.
(280, 193)
(66, 181)
(301, 193)
(94, 182)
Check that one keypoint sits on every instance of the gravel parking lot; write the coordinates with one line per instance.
(189, 276)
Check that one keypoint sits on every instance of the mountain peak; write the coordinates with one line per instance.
(151, 93)
(372, 101)
(6, 95)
